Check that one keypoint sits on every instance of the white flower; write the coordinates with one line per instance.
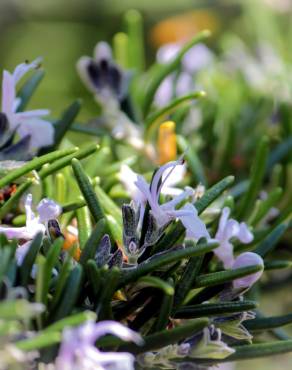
(47, 210)
(227, 229)
(78, 351)
(27, 123)
(166, 212)
(171, 177)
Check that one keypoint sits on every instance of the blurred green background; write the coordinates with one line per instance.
(63, 30)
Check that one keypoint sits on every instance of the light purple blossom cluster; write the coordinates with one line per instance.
(228, 229)
(47, 210)
(30, 123)
(78, 350)
(175, 85)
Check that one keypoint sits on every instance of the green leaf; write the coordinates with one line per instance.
(92, 243)
(7, 206)
(61, 282)
(108, 205)
(84, 226)
(277, 265)
(267, 323)
(16, 309)
(187, 279)
(94, 276)
(29, 259)
(194, 164)
(256, 178)
(70, 295)
(270, 242)
(155, 282)
(166, 337)
(51, 260)
(73, 206)
(73, 320)
(87, 191)
(153, 121)
(66, 161)
(165, 259)
(260, 350)
(104, 309)
(165, 311)
(27, 90)
(213, 193)
(220, 277)
(214, 309)
(34, 164)
(62, 125)
(262, 207)
(136, 53)
(171, 237)
(279, 153)
(168, 68)
(39, 341)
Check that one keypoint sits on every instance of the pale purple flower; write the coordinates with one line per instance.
(243, 260)
(27, 123)
(101, 75)
(166, 212)
(228, 229)
(78, 351)
(47, 210)
(197, 58)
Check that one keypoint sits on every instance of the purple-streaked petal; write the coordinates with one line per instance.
(155, 186)
(145, 191)
(23, 68)
(195, 227)
(82, 69)
(8, 94)
(243, 260)
(48, 210)
(41, 133)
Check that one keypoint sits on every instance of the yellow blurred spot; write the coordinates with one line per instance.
(166, 142)
(182, 27)
(71, 241)
(119, 296)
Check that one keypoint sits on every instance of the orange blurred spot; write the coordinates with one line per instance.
(71, 241)
(166, 142)
(183, 27)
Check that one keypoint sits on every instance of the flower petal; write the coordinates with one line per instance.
(48, 210)
(195, 227)
(8, 94)
(41, 133)
(23, 68)
(243, 260)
